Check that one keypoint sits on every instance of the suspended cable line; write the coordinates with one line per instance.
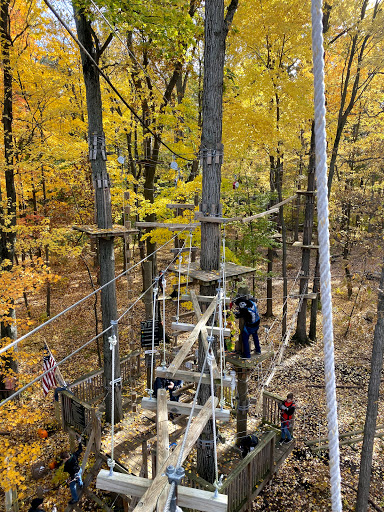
(69, 308)
(115, 90)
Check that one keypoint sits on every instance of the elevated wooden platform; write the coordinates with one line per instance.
(115, 230)
(238, 361)
(181, 206)
(300, 244)
(232, 271)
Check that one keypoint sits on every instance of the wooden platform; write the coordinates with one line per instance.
(115, 230)
(184, 206)
(300, 244)
(183, 408)
(232, 271)
(238, 361)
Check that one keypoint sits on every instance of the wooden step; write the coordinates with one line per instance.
(300, 244)
(184, 206)
(176, 250)
(306, 296)
(187, 376)
(183, 408)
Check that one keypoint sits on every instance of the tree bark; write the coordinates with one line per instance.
(8, 212)
(216, 30)
(103, 205)
(301, 326)
(373, 402)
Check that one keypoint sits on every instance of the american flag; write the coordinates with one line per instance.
(49, 380)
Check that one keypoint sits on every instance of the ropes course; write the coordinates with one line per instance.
(216, 314)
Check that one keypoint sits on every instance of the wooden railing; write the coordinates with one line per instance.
(90, 387)
(251, 475)
(271, 411)
(76, 413)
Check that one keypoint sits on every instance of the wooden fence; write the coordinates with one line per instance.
(90, 387)
(271, 411)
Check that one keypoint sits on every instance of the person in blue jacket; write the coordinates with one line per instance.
(248, 310)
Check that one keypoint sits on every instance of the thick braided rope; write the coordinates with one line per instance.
(323, 233)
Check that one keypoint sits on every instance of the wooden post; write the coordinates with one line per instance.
(243, 403)
(144, 454)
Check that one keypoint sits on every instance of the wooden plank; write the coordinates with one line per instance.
(170, 226)
(183, 408)
(202, 298)
(162, 442)
(232, 270)
(184, 327)
(184, 206)
(184, 351)
(306, 296)
(148, 501)
(187, 376)
(137, 486)
(177, 250)
(237, 360)
(204, 332)
(214, 220)
(300, 244)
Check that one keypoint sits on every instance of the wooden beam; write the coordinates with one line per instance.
(149, 499)
(184, 206)
(177, 250)
(184, 327)
(170, 226)
(204, 332)
(300, 244)
(184, 351)
(202, 298)
(137, 486)
(183, 408)
(162, 442)
(187, 376)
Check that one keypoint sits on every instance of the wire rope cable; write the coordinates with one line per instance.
(69, 308)
(57, 364)
(115, 90)
(324, 251)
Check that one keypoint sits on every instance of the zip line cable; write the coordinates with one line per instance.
(115, 31)
(115, 90)
(56, 365)
(39, 327)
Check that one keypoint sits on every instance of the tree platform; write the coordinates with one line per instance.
(237, 360)
(115, 230)
(232, 271)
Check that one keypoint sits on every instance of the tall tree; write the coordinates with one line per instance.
(373, 403)
(216, 30)
(96, 137)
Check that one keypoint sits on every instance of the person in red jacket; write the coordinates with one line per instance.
(287, 409)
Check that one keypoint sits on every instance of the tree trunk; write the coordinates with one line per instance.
(103, 204)
(8, 212)
(314, 306)
(216, 29)
(301, 326)
(373, 402)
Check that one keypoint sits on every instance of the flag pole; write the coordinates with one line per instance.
(56, 371)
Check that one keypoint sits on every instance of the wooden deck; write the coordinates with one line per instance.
(238, 361)
(232, 271)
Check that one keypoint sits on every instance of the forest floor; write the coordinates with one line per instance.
(302, 483)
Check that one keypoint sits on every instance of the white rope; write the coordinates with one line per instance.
(112, 345)
(211, 358)
(324, 253)
(155, 290)
(178, 289)
(163, 284)
(189, 259)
